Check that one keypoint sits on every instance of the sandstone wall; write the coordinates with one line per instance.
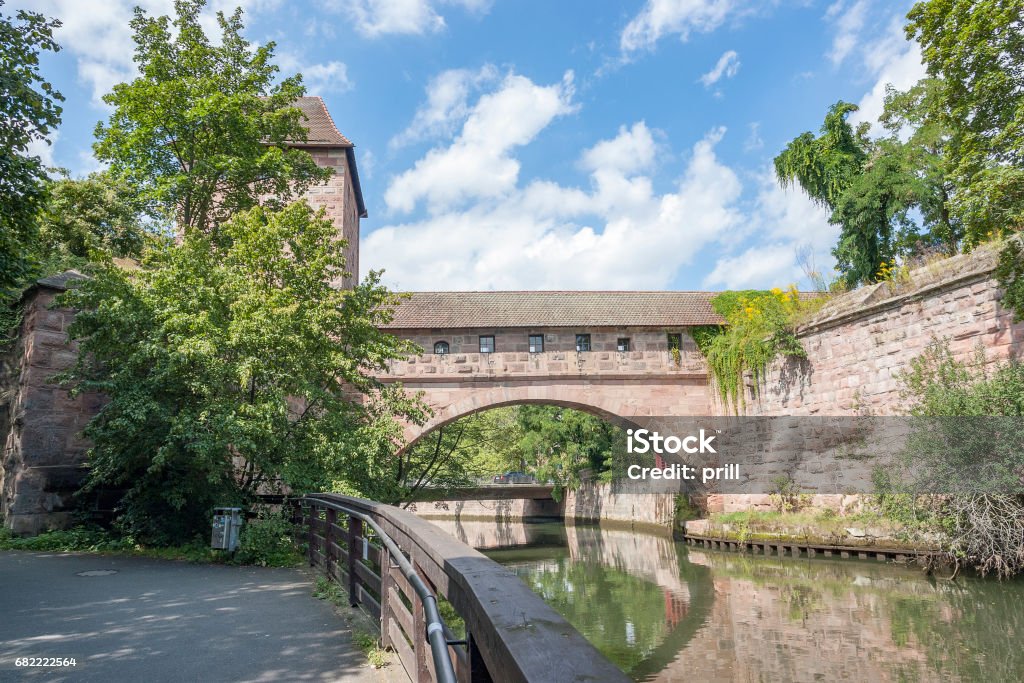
(648, 354)
(43, 449)
(598, 502)
(338, 199)
(859, 342)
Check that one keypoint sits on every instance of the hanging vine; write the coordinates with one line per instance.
(759, 327)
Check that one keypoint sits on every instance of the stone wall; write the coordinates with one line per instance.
(648, 354)
(600, 503)
(859, 342)
(43, 449)
(514, 509)
(337, 197)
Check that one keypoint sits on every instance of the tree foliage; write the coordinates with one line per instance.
(976, 47)
(560, 443)
(28, 114)
(454, 455)
(202, 133)
(231, 364)
(89, 218)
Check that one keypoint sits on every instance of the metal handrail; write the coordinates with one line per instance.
(437, 630)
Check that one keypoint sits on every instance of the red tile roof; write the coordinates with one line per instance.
(432, 310)
(322, 131)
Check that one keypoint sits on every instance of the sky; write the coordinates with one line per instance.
(551, 145)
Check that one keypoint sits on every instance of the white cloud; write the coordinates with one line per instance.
(728, 65)
(43, 148)
(328, 77)
(632, 150)
(619, 233)
(772, 265)
(477, 164)
(892, 59)
(849, 21)
(659, 18)
(99, 34)
(787, 223)
(374, 18)
(447, 104)
(754, 140)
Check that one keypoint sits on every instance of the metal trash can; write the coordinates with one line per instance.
(227, 523)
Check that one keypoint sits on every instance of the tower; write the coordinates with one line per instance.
(341, 196)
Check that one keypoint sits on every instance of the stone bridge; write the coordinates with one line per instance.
(613, 354)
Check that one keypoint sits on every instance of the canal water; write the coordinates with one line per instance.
(663, 611)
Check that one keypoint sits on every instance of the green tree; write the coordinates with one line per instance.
(862, 184)
(558, 444)
(915, 114)
(82, 218)
(231, 364)
(28, 114)
(873, 214)
(203, 132)
(977, 48)
(453, 455)
(824, 166)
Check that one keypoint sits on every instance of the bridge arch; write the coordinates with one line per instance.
(617, 401)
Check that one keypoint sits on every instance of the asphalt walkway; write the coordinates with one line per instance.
(136, 619)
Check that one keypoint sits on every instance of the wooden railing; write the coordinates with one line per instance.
(510, 633)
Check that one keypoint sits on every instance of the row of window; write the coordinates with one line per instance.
(536, 341)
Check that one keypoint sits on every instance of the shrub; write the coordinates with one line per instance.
(266, 541)
(967, 444)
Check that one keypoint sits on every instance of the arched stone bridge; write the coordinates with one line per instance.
(615, 354)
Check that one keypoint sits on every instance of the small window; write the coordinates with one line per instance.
(622, 345)
(536, 343)
(487, 344)
(675, 341)
(441, 348)
(582, 342)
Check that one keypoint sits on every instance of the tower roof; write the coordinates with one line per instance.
(323, 133)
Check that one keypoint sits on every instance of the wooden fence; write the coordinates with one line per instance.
(509, 633)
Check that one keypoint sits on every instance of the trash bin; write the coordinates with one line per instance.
(227, 523)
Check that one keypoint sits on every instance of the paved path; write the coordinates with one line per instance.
(158, 621)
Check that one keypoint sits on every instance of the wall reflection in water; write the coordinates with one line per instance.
(663, 612)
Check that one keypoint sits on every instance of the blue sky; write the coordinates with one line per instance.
(553, 145)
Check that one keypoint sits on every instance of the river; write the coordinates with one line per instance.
(663, 611)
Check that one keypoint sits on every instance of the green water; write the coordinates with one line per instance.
(665, 612)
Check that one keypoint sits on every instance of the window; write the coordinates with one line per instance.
(582, 342)
(622, 345)
(441, 348)
(675, 341)
(487, 344)
(536, 343)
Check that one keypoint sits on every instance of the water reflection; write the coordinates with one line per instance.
(663, 612)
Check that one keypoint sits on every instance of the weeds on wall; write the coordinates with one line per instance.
(760, 326)
(1010, 275)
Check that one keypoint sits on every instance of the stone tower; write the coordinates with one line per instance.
(341, 196)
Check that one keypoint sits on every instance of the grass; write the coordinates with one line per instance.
(753, 524)
(376, 656)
